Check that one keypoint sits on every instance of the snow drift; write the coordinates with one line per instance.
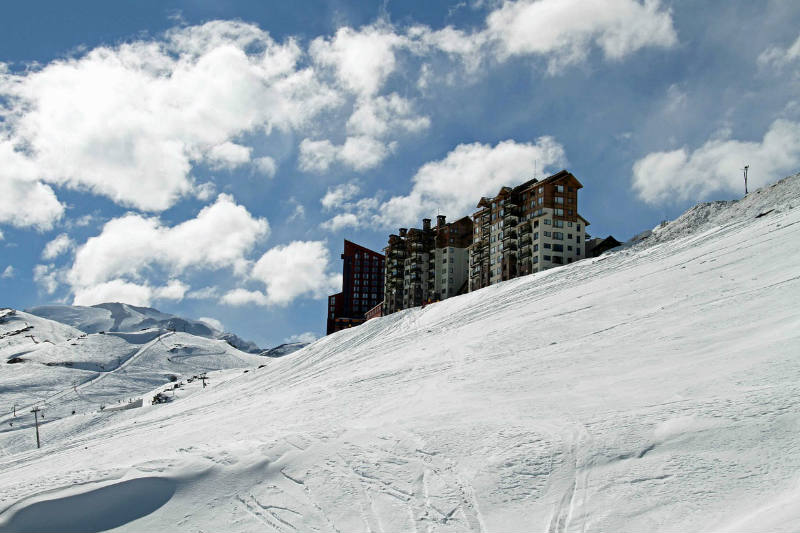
(656, 388)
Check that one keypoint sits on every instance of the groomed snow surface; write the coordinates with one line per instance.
(652, 389)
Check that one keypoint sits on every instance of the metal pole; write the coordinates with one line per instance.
(746, 167)
(35, 412)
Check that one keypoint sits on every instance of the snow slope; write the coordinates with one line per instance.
(656, 388)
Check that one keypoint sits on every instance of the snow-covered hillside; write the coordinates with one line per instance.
(656, 388)
(66, 371)
(128, 318)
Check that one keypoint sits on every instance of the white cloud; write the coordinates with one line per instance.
(8, 273)
(378, 116)
(362, 59)
(131, 246)
(228, 155)
(24, 201)
(213, 322)
(239, 297)
(359, 153)
(338, 195)
(174, 290)
(565, 30)
(454, 184)
(363, 153)
(206, 293)
(1, 235)
(47, 277)
(341, 221)
(301, 337)
(266, 166)
(291, 271)
(57, 246)
(316, 156)
(116, 290)
(119, 290)
(681, 175)
(778, 57)
(130, 121)
(205, 191)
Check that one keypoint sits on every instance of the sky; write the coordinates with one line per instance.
(209, 158)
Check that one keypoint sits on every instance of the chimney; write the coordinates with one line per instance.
(440, 220)
(426, 224)
(403, 232)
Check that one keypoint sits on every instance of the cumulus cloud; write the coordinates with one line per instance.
(130, 121)
(683, 174)
(205, 293)
(265, 166)
(1, 235)
(301, 337)
(8, 272)
(362, 59)
(47, 277)
(338, 195)
(468, 172)
(340, 221)
(57, 246)
(24, 201)
(213, 322)
(239, 297)
(133, 245)
(228, 155)
(378, 116)
(779, 57)
(290, 271)
(565, 30)
(359, 153)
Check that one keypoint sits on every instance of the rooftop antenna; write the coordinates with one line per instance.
(746, 167)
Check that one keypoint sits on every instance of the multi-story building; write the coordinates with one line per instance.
(524, 229)
(362, 287)
(427, 264)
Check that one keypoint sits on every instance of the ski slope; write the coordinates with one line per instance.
(656, 388)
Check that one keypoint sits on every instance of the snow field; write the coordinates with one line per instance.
(652, 389)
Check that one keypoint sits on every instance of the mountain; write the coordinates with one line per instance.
(284, 349)
(655, 388)
(121, 317)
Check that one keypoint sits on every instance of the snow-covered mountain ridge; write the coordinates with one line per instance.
(121, 317)
(656, 388)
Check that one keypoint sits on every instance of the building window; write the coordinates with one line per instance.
(569, 235)
(559, 212)
(569, 224)
(541, 200)
(541, 190)
(535, 247)
(559, 199)
(558, 223)
(547, 222)
(547, 245)
(558, 247)
(535, 259)
(558, 235)
(560, 188)
(536, 236)
(569, 248)
(547, 234)
(578, 239)
(578, 227)
(546, 257)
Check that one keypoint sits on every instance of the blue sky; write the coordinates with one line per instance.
(208, 158)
